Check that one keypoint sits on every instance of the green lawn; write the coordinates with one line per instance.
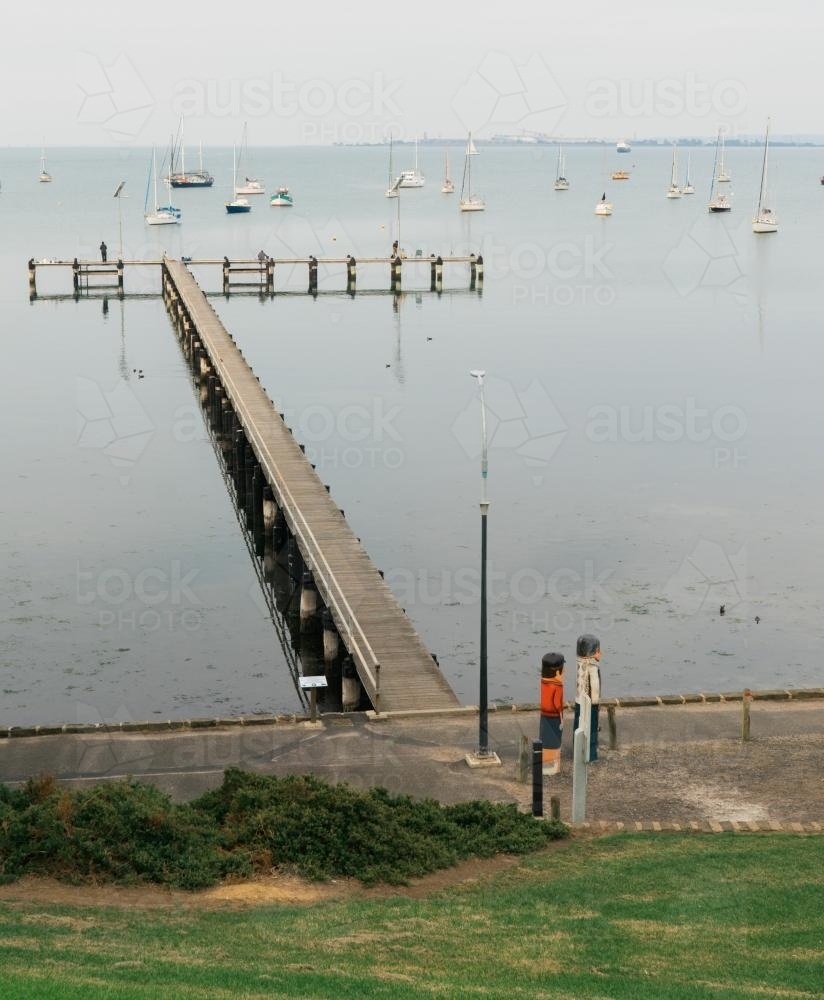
(636, 917)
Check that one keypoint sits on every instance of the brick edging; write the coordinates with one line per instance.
(704, 826)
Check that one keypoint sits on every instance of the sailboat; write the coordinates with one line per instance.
(448, 186)
(469, 202)
(45, 177)
(688, 188)
(603, 207)
(718, 202)
(723, 176)
(180, 179)
(413, 178)
(251, 185)
(237, 206)
(392, 187)
(673, 191)
(561, 183)
(765, 221)
(166, 215)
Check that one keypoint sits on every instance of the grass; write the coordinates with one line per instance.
(631, 917)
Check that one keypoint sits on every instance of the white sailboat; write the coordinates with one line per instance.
(237, 206)
(561, 183)
(673, 191)
(718, 202)
(392, 188)
(603, 207)
(723, 174)
(469, 202)
(688, 186)
(765, 221)
(166, 215)
(413, 178)
(44, 177)
(251, 185)
(448, 186)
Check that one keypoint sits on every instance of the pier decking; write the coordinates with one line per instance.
(260, 271)
(397, 671)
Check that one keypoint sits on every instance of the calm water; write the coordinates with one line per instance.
(654, 417)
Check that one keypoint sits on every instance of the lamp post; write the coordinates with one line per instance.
(484, 755)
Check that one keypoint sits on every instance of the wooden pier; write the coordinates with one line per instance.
(281, 488)
(260, 271)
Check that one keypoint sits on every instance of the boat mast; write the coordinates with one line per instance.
(761, 191)
(154, 174)
(714, 167)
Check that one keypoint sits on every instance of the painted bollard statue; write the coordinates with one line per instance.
(552, 710)
(588, 682)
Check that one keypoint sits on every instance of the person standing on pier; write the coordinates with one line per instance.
(104, 250)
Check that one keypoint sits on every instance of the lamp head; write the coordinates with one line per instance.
(479, 374)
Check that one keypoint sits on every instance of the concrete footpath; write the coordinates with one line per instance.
(678, 766)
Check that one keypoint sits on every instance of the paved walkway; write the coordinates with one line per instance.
(674, 767)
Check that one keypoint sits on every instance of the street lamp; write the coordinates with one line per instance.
(484, 756)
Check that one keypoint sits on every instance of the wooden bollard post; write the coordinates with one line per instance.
(579, 776)
(226, 267)
(269, 508)
(438, 273)
(612, 727)
(240, 466)
(395, 273)
(250, 463)
(746, 702)
(350, 686)
(331, 639)
(270, 275)
(313, 274)
(473, 270)
(433, 272)
(588, 689)
(480, 269)
(33, 278)
(294, 562)
(211, 386)
(537, 778)
(552, 710)
(76, 274)
(280, 529)
(220, 395)
(120, 275)
(308, 600)
(258, 482)
(524, 759)
(351, 273)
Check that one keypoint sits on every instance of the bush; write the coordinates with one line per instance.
(120, 831)
(326, 830)
(130, 832)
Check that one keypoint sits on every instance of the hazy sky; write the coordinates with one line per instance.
(94, 73)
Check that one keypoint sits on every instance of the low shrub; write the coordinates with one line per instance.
(129, 832)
